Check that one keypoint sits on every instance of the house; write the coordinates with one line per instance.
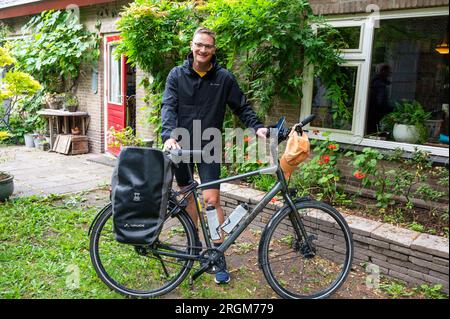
(392, 54)
(107, 92)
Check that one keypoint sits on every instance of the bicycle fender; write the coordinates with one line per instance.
(269, 224)
(97, 217)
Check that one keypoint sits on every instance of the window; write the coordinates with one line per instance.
(323, 108)
(406, 66)
(348, 36)
(115, 73)
(395, 61)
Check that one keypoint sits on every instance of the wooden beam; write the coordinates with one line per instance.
(38, 7)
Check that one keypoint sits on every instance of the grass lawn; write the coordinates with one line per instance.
(44, 248)
(44, 253)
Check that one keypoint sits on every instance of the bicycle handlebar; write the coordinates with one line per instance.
(283, 132)
(182, 153)
(307, 120)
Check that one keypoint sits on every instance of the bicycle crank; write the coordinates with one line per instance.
(214, 259)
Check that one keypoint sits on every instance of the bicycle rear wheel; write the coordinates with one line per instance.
(294, 269)
(135, 270)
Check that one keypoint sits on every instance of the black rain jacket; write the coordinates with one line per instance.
(188, 97)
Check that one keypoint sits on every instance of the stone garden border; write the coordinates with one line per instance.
(410, 256)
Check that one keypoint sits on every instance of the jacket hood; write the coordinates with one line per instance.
(187, 64)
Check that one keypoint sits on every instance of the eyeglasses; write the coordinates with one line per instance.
(202, 45)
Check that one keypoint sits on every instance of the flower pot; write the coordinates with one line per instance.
(71, 108)
(29, 140)
(6, 185)
(75, 131)
(37, 140)
(44, 146)
(55, 102)
(406, 133)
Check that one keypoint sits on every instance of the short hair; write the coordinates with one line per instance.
(207, 31)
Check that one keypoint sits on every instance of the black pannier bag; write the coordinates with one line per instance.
(141, 183)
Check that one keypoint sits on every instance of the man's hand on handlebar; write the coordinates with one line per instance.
(171, 144)
(262, 132)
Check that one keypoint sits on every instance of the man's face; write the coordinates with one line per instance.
(203, 48)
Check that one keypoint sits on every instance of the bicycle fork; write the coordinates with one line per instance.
(300, 230)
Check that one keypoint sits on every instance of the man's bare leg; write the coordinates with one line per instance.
(210, 197)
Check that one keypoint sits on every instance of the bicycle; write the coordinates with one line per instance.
(307, 240)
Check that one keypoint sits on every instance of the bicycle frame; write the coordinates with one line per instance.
(280, 186)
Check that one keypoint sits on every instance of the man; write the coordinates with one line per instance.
(379, 102)
(200, 90)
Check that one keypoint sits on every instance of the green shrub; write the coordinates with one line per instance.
(55, 49)
(265, 42)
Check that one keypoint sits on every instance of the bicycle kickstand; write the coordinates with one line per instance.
(197, 274)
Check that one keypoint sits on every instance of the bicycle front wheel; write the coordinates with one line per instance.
(138, 271)
(296, 269)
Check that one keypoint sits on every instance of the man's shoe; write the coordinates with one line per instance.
(222, 277)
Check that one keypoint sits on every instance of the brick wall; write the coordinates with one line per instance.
(90, 101)
(326, 7)
(143, 128)
(290, 110)
(398, 253)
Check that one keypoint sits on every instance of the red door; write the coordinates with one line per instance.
(115, 91)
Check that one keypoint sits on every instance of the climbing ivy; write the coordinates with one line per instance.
(55, 48)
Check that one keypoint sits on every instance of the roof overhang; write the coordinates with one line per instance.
(30, 7)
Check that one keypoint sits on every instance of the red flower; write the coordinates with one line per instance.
(323, 159)
(332, 147)
(259, 162)
(359, 175)
(247, 139)
(273, 200)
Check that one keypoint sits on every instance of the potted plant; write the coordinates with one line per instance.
(407, 122)
(6, 179)
(70, 102)
(43, 145)
(54, 100)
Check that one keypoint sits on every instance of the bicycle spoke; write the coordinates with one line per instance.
(297, 270)
(140, 270)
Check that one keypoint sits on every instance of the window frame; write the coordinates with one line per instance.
(364, 57)
(110, 57)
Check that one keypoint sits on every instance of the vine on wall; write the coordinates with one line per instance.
(266, 43)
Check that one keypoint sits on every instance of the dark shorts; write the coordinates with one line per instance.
(208, 172)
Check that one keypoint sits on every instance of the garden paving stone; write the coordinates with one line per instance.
(438, 246)
(396, 235)
(42, 173)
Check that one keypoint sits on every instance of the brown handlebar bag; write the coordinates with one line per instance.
(297, 150)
